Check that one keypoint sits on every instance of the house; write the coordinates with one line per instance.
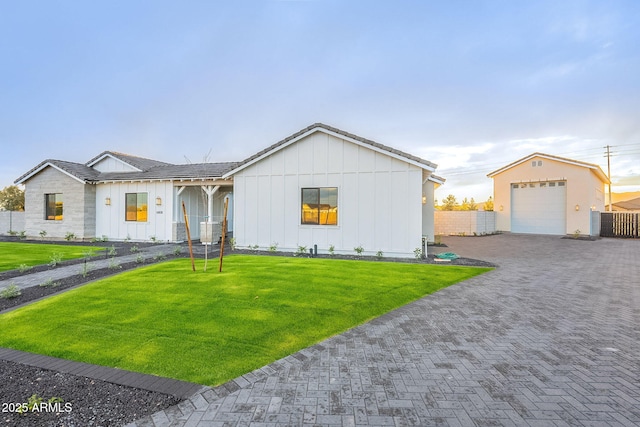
(545, 194)
(632, 205)
(319, 187)
(121, 197)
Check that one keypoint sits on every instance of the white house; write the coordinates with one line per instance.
(320, 186)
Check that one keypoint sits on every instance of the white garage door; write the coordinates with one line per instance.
(539, 208)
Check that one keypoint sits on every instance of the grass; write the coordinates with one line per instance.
(14, 254)
(210, 327)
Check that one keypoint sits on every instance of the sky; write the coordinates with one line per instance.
(469, 85)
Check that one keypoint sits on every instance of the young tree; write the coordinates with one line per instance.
(472, 205)
(488, 205)
(11, 199)
(449, 203)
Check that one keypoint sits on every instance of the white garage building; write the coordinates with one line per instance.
(545, 194)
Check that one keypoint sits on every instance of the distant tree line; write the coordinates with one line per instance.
(450, 203)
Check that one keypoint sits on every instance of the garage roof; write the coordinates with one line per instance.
(595, 168)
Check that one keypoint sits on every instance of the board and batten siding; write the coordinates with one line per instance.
(110, 219)
(379, 199)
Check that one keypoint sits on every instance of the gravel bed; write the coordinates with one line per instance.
(86, 402)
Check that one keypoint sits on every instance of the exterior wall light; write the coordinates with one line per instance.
(577, 207)
(424, 200)
(158, 201)
(107, 201)
(501, 208)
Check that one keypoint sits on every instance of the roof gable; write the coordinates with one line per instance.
(138, 164)
(593, 167)
(320, 127)
(77, 171)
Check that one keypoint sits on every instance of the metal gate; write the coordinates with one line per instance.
(619, 224)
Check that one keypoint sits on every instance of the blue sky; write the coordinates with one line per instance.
(469, 85)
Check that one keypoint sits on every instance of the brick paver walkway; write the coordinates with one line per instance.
(550, 338)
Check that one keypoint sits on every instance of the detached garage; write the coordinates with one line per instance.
(545, 194)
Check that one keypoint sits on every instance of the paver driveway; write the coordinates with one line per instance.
(551, 337)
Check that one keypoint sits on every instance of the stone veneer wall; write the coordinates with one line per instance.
(79, 209)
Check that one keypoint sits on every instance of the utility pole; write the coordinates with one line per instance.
(608, 154)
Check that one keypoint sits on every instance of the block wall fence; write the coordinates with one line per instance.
(465, 222)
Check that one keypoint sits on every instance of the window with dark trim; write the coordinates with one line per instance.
(53, 207)
(319, 206)
(136, 207)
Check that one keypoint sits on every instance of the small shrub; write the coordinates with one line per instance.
(273, 247)
(417, 252)
(177, 251)
(438, 239)
(302, 250)
(69, 236)
(55, 259)
(85, 269)
(160, 257)
(12, 233)
(576, 234)
(139, 259)
(114, 265)
(43, 234)
(49, 283)
(134, 249)
(232, 243)
(254, 247)
(379, 255)
(112, 251)
(23, 268)
(358, 250)
(153, 239)
(22, 235)
(332, 250)
(11, 291)
(86, 255)
(35, 401)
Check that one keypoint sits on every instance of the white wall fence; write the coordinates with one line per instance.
(11, 221)
(465, 222)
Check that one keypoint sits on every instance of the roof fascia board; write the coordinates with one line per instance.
(334, 134)
(105, 155)
(181, 181)
(44, 166)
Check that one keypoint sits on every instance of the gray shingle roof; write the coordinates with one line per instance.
(135, 161)
(156, 170)
(168, 171)
(78, 170)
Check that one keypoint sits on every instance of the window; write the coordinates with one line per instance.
(319, 206)
(561, 184)
(53, 207)
(136, 207)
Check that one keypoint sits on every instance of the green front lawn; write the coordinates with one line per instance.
(210, 327)
(13, 254)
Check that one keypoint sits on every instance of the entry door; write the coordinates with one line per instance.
(539, 208)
